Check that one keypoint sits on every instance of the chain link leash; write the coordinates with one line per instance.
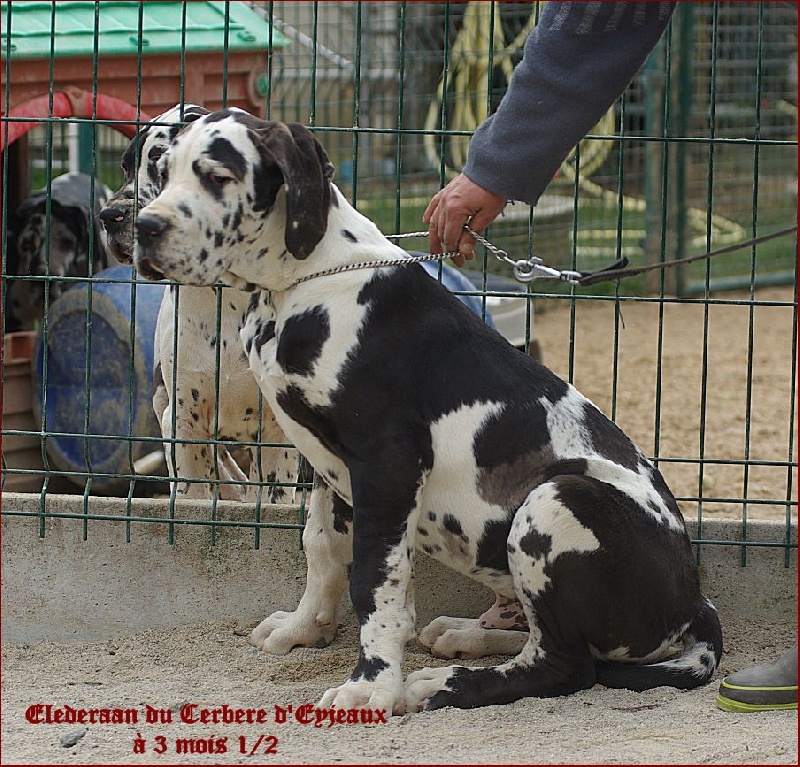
(525, 269)
(533, 268)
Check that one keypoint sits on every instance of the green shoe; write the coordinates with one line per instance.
(766, 687)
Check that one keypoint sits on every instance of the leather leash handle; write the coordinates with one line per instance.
(617, 270)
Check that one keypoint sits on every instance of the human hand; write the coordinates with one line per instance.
(461, 201)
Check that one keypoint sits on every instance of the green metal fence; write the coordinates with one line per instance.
(696, 363)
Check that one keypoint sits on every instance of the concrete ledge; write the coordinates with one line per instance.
(122, 576)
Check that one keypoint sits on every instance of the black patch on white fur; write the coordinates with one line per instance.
(491, 550)
(536, 545)
(609, 440)
(368, 669)
(265, 333)
(302, 339)
(294, 403)
(223, 152)
(453, 526)
(342, 515)
(267, 182)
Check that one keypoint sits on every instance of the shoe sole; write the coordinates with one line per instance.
(737, 707)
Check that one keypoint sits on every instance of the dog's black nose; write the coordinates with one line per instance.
(150, 227)
(113, 214)
(113, 217)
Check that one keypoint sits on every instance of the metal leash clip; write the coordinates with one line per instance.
(527, 269)
(533, 268)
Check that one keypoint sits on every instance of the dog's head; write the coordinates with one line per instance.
(54, 242)
(241, 197)
(142, 177)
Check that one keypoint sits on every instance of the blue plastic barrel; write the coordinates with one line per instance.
(117, 390)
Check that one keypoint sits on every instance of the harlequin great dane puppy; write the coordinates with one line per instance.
(195, 394)
(426, 430)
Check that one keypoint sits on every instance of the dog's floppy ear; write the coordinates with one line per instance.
(307, 172)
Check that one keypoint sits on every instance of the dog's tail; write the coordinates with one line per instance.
(702, 652)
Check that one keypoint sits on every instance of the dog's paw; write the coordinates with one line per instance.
(280, 632)
(385, 693)
(464, 638)
(445, 637)
(421, 686)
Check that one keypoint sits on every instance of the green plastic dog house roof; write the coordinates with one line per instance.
(33, 29)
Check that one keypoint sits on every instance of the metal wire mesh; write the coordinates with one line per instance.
(699, 152)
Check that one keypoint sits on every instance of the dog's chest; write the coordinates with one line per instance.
(298, 354)
(207, 359)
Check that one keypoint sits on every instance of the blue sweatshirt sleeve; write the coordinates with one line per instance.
(578, 60)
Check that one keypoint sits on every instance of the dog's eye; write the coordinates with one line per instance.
(219, 179)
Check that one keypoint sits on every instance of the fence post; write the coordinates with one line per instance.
(684, 19)
(86, 161)
(655, 176)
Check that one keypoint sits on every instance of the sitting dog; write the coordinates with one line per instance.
(240, 416)
(426, 430)
(58, 246)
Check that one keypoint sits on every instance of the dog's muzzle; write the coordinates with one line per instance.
(115, 217)
(145, 267)
(149, 231)
(117, 220)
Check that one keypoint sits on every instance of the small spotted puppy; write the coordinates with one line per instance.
(201, 409)
(427, 431)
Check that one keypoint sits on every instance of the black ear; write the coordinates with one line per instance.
(100, 257)
(307, 172)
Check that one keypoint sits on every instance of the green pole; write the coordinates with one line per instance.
(86, 163)
(654, 95)
(685, 23)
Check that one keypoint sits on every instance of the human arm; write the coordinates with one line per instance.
(577, 61)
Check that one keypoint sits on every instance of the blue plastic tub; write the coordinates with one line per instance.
(105, 395)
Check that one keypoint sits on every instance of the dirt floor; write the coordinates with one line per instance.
(213, 665)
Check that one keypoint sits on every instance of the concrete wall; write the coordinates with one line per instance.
(122, 577)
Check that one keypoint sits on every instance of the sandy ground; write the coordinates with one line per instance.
(213, 665)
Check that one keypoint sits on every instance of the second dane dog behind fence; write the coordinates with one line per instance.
(53, 234)
(185, 398)
(427, 431)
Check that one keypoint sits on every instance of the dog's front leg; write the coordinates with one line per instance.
(327, 540)
(279, 467)
(381, 591)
